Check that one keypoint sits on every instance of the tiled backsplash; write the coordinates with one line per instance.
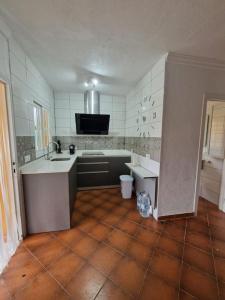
(25, 146)
(139, 145)
(92, 142)
(143, 146)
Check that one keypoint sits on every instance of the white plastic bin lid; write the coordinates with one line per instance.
(126, 178)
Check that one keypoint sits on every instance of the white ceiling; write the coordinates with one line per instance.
(116, 41)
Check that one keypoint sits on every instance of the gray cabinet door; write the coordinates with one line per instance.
(101, 171)
(72, 185)
(117, 168)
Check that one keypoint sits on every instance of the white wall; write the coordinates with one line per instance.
(187, 80)
(145, 101)
(67, 104)
(28, 86)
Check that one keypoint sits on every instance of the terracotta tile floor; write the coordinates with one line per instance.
(113, 253)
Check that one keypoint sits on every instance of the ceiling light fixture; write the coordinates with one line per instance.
(95, 81)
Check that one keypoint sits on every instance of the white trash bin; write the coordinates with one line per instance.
(126, 186)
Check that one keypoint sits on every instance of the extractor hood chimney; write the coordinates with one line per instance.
(92, 102)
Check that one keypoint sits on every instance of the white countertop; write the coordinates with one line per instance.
(140, 171)
(41, 165)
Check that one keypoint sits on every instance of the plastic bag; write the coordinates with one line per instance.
(144, 204)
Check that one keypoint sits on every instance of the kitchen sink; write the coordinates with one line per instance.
(92, 153)
(60, 159)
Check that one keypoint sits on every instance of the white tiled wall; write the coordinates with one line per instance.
(144, 104)
(28, 86)
(67, 104)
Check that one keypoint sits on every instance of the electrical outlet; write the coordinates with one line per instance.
(27, 158)
(148, 156)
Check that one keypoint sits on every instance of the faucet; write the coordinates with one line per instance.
(48, 149)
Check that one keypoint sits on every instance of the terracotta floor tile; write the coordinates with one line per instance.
(156, 289)
(129, 203)
(86, 208)
(120, 210)
(199, 240)
(134, 216)
(4, 292)
(49, 252)
(66, 267)
(77, 217)
(149, 238)
(192, 280)
(85, 247)
(199, 259)
(111, 219)
(170, 246)
(17, 277)
(111, 292)
(35, 240)
(152, 224)
(35, 291)
(119, 240)
(127, 226)
(218, 233)
(194, 224)
(129, 276)
(108, 205)
(127, 245)
(86, 283)
(175, 232)
(220, 268)
(215, 221)
(87, 224)
(222, 290)
(100, 232)
(19, 259)
(105, 259)
(99, 213)
(185, 296)
(166, 267)
(140, 252)
(69, 236)
(219, 248)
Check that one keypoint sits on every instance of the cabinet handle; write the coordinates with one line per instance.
(93, 172)
(94, 163)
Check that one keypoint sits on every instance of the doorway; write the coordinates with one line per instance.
(213, 153)
(9, 238)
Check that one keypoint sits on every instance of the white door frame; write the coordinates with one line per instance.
(208, 97)
(13, 153)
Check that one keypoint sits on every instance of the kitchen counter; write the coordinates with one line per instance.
(140, 171)
(41, 165)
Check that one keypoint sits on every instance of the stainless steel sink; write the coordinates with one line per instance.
(60, 159)
(92, 153)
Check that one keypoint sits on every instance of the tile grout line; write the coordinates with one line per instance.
(47, 271)
(149, 263)
(182, 259)
(212, 253)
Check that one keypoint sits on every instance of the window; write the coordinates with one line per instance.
(41, 127)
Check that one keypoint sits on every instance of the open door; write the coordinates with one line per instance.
(8, 223)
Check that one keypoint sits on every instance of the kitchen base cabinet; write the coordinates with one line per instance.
(101, 171)
(49, 200)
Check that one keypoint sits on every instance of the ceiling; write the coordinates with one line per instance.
(117, 41)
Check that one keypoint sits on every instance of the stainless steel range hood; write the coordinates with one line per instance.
(92, 102)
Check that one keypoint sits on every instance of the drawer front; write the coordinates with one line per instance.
(101, 158)
(100, 178)
(92, 166)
